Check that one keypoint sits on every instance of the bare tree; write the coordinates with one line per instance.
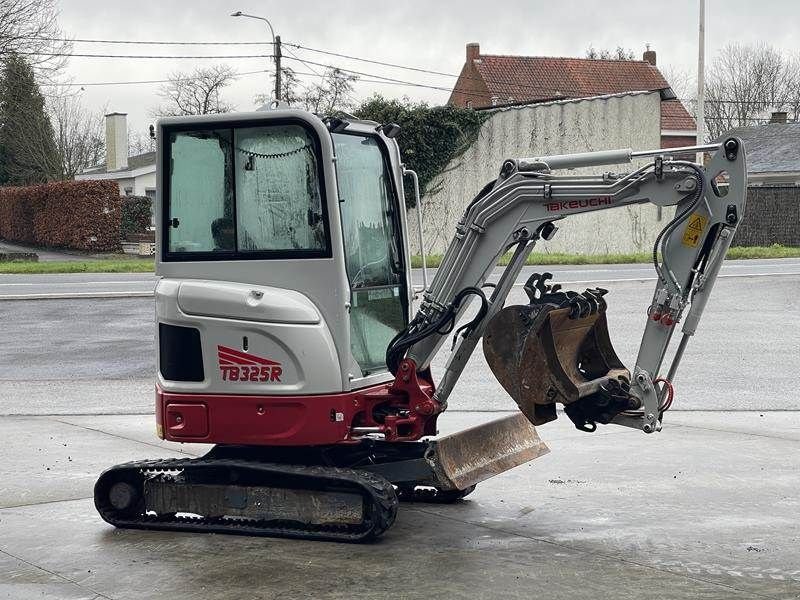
(29, 28)
(619, 53)
(289, 92)
(682, 81)
(139, 143)
(745, 83)
(79, 134)
(334, 92)
(196, 93)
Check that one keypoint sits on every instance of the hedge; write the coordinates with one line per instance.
(81, 215)
(135, 215)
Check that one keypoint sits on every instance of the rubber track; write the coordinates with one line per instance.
(378, 492)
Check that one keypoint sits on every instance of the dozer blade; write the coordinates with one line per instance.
(557, 349)
(468, 457)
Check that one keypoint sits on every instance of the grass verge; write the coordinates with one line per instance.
(742, 252)
(145, 265)
(111, 265)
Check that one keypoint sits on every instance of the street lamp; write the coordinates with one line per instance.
(276, 46)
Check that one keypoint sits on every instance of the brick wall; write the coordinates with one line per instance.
(772, 216)
(470, 91)
(677, 141)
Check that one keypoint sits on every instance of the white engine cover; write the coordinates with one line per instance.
(255, 339)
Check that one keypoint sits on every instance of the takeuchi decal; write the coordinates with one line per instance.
(235, 365)
(583, 203)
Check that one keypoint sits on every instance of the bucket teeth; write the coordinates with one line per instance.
(557, 349)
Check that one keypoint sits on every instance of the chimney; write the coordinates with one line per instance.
(116, 141)
(649, 56)
(778, 117)
(473, 51)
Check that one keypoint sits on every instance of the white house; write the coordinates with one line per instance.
(135, 175)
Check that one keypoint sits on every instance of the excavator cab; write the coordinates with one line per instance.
(283, 265)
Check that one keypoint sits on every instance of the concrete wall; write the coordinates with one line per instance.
(602, 123)
(771, 216)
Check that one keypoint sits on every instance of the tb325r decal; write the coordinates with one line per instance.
(235, 365)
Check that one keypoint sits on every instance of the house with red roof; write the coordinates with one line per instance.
(490, 81)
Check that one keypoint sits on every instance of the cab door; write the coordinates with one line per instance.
(373, 247)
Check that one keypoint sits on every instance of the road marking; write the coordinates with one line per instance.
(56, 283)
(76, 295)
(148, 294)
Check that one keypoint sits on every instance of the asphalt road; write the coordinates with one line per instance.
(95, 355)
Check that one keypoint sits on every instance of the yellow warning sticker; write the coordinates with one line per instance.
(694, 230)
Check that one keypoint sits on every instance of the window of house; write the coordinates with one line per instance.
(248, 192)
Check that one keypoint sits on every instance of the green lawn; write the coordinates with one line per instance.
(775, 251)
(109, 265)
(145, 265)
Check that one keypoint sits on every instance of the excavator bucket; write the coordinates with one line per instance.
(556, 349)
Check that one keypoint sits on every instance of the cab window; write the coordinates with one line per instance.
(373, 250)
(244, 192)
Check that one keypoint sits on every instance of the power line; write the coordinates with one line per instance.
(368, 60)
(307, 63)
(143, 81)
(144, 42)
(548, 93)
(74, 55)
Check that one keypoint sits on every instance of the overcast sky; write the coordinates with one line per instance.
(427, 34)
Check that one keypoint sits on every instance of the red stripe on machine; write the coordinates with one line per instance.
(243, 357)
(243, 367)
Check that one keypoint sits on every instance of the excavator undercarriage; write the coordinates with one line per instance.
(338, 492)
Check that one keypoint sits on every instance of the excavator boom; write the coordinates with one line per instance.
(543, 356)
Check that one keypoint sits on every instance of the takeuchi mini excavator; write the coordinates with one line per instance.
(287, 336)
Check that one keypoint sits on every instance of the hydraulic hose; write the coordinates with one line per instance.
(677, 220)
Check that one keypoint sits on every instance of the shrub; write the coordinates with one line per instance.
(82, 215)
(135, 216)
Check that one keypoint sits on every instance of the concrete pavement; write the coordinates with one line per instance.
(705, 509)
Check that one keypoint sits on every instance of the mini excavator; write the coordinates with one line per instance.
(287, 337)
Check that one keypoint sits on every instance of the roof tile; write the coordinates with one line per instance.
(674, 116)
(531, 78)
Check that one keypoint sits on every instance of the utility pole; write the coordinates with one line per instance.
(276, 49)
(277, 67)
(700, 113)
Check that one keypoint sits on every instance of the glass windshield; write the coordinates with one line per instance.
(371, 231)
(368, 213)
(245, 192)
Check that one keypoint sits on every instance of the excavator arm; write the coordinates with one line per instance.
(557, 349)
